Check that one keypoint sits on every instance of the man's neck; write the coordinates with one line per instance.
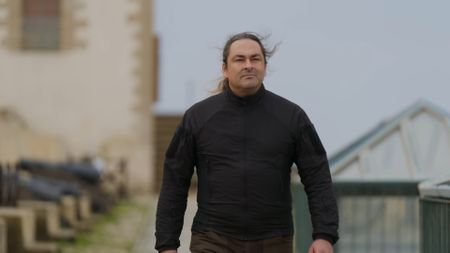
(245, 92)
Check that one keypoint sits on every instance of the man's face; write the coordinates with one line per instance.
(245, 68)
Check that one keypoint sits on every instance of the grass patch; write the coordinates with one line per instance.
(116, 229)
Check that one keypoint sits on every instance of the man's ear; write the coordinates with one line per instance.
(224, 70)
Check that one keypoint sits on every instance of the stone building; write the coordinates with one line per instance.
(78, 78)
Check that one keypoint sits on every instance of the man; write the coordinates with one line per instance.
(243, 142)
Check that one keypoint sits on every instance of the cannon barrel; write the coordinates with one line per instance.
(85, 172)
(47, 189)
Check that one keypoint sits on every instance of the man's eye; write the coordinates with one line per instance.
(239, 60)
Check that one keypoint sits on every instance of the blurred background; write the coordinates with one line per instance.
(91, 93)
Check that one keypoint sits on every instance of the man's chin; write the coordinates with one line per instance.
(251, 86)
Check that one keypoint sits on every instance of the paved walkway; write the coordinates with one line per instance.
(146, 243)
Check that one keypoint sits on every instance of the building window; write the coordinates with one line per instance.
(41, 21)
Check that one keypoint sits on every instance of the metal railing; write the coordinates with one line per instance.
(375, 217)
(435, 216)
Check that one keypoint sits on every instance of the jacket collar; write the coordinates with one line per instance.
(247, 100)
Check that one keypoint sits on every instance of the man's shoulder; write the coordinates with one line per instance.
(201, 111)
(278, 102)
(210, 103)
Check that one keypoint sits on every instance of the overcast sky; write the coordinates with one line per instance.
(348, 64)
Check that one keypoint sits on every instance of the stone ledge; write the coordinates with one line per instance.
(20, 226)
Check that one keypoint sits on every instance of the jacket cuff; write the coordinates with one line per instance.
(324, 236)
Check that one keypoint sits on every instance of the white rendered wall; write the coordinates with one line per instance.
(84, 96)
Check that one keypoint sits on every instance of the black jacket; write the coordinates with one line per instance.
(243, 150)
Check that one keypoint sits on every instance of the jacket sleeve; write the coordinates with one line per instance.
(312, 163)
(178, 169)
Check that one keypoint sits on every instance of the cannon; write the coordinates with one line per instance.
(84, 176)
(74, 205)
(46, 189)
(83, 171)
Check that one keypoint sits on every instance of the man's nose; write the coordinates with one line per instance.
(248, 64)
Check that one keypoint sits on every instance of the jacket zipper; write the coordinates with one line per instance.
(245, 234)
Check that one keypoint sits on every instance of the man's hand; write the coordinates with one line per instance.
(321, 246)
(169, 251)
